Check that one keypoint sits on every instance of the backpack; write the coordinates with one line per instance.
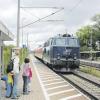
(10, 66)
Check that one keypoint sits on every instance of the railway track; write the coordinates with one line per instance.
(93, 79)
(87, 86)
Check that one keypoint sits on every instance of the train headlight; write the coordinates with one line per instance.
(58, 56)
(75, 56)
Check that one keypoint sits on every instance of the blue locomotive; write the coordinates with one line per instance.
(61, 53)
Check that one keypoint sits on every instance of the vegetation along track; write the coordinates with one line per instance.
(86, 86)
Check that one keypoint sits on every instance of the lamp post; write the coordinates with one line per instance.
(18, 22)
(22, 36)
(27, 42)
(91, 42)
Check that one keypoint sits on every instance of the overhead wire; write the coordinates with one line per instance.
(75, 6)
(39, 19)
(42, 18)
(31, 13)
(42, 7)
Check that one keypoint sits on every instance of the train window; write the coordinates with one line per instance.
(51, 42)
(45, 44)
(65, 41)
(59, 41)
(73, 42)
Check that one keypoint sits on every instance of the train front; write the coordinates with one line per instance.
(65, 53)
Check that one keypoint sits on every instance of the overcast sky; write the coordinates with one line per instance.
(76, 13)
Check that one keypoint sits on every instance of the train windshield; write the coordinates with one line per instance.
(71, 42)
(59, 41)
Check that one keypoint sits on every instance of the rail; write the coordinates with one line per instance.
(86, 86)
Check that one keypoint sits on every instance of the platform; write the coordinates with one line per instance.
(90, 63)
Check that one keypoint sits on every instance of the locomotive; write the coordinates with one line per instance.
(61, 53)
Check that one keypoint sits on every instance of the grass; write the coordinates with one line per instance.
(23, 54)
(7, 54)
(90, 70)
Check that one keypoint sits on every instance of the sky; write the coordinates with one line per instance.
(76, 13)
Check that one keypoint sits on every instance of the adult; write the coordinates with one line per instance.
(15, 75)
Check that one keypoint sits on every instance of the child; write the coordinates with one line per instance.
(30, 78)
(26, 75)
(9, 84)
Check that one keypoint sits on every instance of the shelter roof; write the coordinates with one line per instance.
(5, 34)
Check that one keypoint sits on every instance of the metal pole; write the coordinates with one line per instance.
(22, 40)
(27, 43)
(91, 45)
(0, 68)
(27, 40)
(0, 74)
(18, 22)
(2, 60)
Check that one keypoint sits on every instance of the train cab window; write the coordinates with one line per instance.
(47, 43)
(59, 41)
(73, 42)
(51, 42)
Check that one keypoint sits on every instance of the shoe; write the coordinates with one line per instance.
(18, 95)
(25, 93)
(14, 97)
(7, 96)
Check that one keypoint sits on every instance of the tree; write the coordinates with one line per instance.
(84, 34)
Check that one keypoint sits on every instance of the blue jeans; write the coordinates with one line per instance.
(25, 84)
(15, 84)
(9, 89)
(4, 78)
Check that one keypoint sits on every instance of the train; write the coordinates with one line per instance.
(61, 53)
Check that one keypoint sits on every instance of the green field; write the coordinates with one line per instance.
(90, 70)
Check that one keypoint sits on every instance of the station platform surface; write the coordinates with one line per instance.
(46, 85)
(95, 64)
(36, 91)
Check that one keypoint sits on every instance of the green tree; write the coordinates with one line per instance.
(84, 33)
(84, 37)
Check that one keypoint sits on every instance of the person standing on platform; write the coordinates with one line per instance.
(25, 76)
(15, 76)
